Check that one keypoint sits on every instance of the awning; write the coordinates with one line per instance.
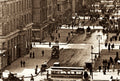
(2, 51)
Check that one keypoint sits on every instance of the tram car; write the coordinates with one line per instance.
(55, 51)
(65, 72)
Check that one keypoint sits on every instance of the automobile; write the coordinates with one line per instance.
(43, 67)
(56, 64)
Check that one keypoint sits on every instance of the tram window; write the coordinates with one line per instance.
(63, 72)
(54, 72)
(72, 72)
(68, 72)
(78, 72)
(58, 72)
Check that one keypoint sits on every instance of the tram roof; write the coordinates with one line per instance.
(67, 68)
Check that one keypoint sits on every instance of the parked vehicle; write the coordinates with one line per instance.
(56, 64)
(43, 67)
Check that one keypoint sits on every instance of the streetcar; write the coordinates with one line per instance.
(55, 51)
(65, 72)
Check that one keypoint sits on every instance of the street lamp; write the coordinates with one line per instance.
(92, 59)
(99, 37)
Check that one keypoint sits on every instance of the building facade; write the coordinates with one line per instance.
(64, 11)
(44, 14)
(39, 29)
(51, 15)
(15, 30)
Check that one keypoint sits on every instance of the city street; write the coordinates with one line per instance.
(75, 54)
(84, 35)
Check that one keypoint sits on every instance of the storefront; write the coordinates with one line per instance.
(3, 59)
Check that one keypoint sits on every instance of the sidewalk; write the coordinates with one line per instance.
(99, 76)
(31, 63)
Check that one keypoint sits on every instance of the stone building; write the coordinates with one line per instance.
(51, 15)
(44, 13)
(15, 30)
(64, 11)
(39, 29)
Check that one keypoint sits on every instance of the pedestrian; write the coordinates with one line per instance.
(112, 46)
(33, 55)
(32, 79)
(109, 47)
(118, 71)
(30, 54)
(99, 68)
(47, 75)
(36, 71)
(42, 52)
(108, 68)
(49, 44)
(109, 64)
(104, 72)
(85, 75)
(90, 71)
(111, 78)
(110, 39)
(111, 60)
(59, 35)
(106, 44)
(21, 63)
(68, 34)
(66, 38)
(115, 38)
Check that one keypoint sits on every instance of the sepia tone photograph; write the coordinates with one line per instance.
(59, 40)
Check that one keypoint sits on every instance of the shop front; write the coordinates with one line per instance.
(3, 59)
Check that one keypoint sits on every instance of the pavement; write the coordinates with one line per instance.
(105, 54)
(30, 65)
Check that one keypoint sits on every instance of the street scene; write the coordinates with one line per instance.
(59, 40)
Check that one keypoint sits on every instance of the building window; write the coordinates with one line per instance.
(58, 6)
(3, 45)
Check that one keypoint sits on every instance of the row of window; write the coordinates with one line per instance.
(65, 72)
(14, 7)
(16, 40)
(16, 23)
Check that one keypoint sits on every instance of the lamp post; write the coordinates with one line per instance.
(99, 37)
(92, 59)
